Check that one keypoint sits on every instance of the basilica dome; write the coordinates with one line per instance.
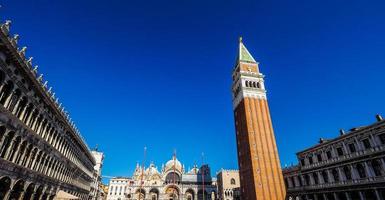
(173, 163)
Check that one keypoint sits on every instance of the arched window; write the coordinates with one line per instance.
(315, 178)
(232, 181)
(376, 165)
(307, 179)
(361, 170)
(247, 83)
(255, 84)
(300, 181)
(325, 176)
(347, 173)
(336, 176)
(5, 92)
(258, 85)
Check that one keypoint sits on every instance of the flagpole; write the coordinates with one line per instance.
(203, 177)
(141, 177)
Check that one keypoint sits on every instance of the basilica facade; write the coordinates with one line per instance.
(171, 182)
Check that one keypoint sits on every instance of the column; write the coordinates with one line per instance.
(348, 197)
(341, 175)
(21, 117)
(361, 194)
(29, 117)
(15, 108)
(8, 99)
(17, 152)
(368, 170)
(325, 196)
(10, 147)
(382, 160)
(353, 172)
(359, 147)
(373, 140)
(22, 193)
(336, 196)
(378, 195)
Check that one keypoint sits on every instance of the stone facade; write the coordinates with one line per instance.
(171, 183)
(349, 167)
(259, 165)
(41, 151)
(96, 192)
(228, 185)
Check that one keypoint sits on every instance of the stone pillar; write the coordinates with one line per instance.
(18, 152)
(353, 172)
(359, 146)
(325, 196)
(336, 196)
(341, 175)
(21, 117)
(378, 195)
(373, 140)
(22, 193)
(10, 147)
(9, 99)
(29, 117)
(348, 197)
(368, 170)
(330, 176)
(382, 160)
(15, 108)
(362, 197)
(22, 154)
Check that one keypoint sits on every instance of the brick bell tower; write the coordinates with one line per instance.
(258, 160)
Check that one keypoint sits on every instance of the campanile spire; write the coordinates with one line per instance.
(259, 165)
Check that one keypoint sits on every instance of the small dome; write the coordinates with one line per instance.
(152, 170)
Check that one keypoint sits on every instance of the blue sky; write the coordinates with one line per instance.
(158, 73)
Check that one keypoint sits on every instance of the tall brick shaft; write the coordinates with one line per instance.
(259, 166)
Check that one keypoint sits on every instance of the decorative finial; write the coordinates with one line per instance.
(45, 84)
(50, 90)
(40, 77)
(22, 51)
(240, 39)
(35, 68)
(29, 61)
(6, 26)
(15, 39)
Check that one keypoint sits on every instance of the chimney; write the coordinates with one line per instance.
(342, 132)
(379, 117)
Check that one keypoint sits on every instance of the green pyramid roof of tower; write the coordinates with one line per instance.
(244, 54)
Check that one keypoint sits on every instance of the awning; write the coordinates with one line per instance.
(61, 195)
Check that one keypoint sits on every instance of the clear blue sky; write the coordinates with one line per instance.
(158, 73)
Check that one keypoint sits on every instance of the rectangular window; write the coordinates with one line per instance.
(302, 162)
(366, 143)
(340, 152)
(310, 160)
(329, 154)
(352, 148)
(382, 138)
(319, 157)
